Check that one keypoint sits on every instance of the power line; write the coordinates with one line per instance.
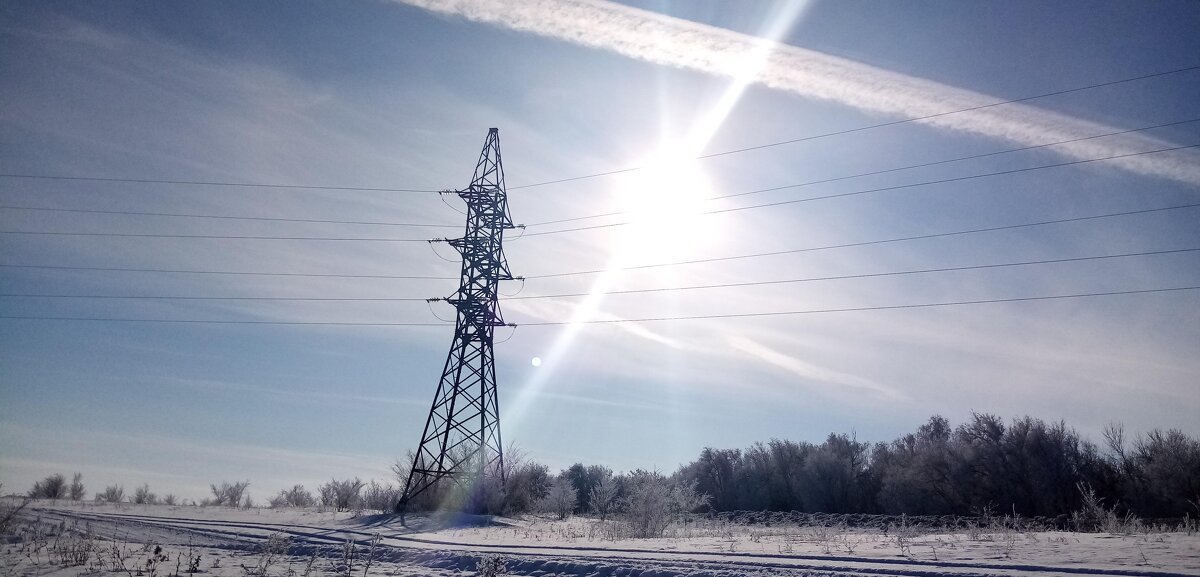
(209, 236)
(859, 276)
(226, 272)
(211, 183)
(870, 242)
(880, 189)
(856, 309)
(220, 322)
(889, 170)
(614, 321)
(598, 271)
(631, 291)
(204, 298)
(871, 126)
(559, 231)
(228, 217)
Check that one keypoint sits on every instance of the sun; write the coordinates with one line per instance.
(663, 204)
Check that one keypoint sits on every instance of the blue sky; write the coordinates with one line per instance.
(400, 95)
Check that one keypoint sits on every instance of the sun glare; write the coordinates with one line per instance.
(662, 202)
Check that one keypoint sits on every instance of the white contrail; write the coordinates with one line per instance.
(684, 44)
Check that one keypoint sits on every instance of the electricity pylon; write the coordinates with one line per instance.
(461, 441)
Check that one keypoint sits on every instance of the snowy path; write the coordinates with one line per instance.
(447, 550)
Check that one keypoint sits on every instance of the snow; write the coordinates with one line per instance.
(314, 543)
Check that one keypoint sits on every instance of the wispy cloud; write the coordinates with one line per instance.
(820, 379)
(597, 402)
(288, 394)
(689, 45)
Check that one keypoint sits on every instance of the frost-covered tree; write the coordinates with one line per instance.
(561, 498)
(603, 497)
(341, 495)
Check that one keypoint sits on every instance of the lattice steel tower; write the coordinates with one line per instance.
(462, 433)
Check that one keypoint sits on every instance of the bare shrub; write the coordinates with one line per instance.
(297, 496)
(272, 550)
(341, 495)
(380, 496)
(685, 498)
(52, 487)
(76, 491)
(112, 494)
(9, 510)
(170, 499)
(73, 548)
(1093, 517)
(143, 496)
(229, 494)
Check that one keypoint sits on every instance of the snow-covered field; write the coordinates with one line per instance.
(73, 539)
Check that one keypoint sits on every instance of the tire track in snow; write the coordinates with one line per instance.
(254, 532)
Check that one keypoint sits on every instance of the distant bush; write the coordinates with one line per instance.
(112, 494)
(52, 487)
(1093, 517)
(297, 496)
(584, 479)
(648, 504)
(525, 483)
(340, 495)
(76, 491)
(228, 494)
(380, 496)
(143, 496)
(652, 502)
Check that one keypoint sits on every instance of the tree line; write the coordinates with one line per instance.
(983, 466)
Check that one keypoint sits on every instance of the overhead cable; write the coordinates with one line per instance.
(598, 271)
(209, 236)
(870, 242)
(220, 322)
(857, 276)
(621, 320)
(886, 171)
(226, 217)
(879, 189)
(212, 183)
(615, 292)
(855, 309)
(226, 272)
